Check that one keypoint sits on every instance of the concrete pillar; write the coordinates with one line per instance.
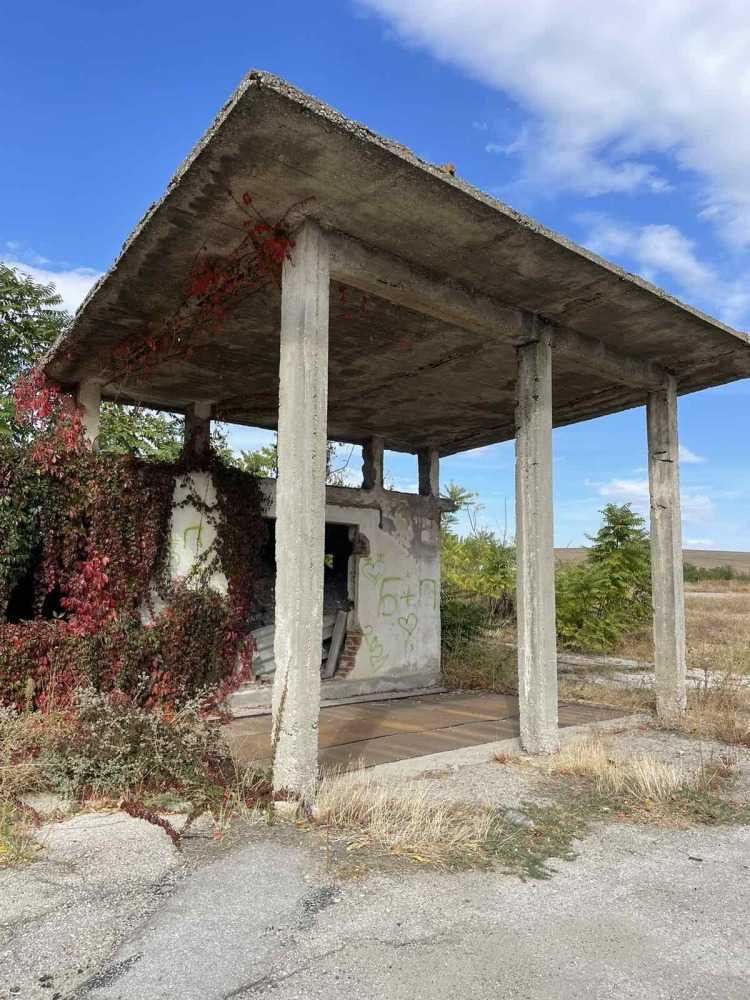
(89, 399)
(372, 463)
(300, 514)
(537, 638)
(197, 433)
(428, 460)
(666, 552)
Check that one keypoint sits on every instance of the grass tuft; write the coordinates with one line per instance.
(17, 844)
(638, 777)
(402, 821)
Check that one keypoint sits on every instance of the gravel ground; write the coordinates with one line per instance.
(482, 781)
(98, 878)
(114, 912)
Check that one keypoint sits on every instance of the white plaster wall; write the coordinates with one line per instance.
(395, 585)
(192, 534)
(398, 595)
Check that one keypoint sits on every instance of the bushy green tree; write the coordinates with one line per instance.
(608, 594)
(463, 499)
(478, 573)
(31, 319)
(140, 432)
(264, 462)
(481, 564)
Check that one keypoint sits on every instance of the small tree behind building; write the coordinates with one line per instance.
(608, 594)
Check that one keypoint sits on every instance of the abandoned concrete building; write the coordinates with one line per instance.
(480, 326)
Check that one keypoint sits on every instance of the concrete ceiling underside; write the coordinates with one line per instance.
(414, 380)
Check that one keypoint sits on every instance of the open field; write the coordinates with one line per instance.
(703, 558)
(718, 632)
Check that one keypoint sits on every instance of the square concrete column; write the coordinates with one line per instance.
(428, 462)
(666, 552)
(197, 433)
(89, 399)
(535, 612)
(372, 463)
(300, 515)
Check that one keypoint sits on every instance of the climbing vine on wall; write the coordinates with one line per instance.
(214, 286)
(86, 537)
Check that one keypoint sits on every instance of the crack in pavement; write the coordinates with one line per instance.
(106, 977)
(272, 981)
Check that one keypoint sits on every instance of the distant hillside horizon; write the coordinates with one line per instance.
(704, 558)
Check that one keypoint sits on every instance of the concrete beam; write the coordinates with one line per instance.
(428, 460)
(89, 399)
(537, 635)
(666, 552)
(373, 450)
(197, 432)
(397, 281)
(300, 515)
(404, 284)
(596, 357)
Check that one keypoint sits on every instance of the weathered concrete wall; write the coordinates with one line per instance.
(395, 584)
(193, 535)
(394, 577)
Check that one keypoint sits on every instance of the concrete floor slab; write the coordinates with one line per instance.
(380, 732)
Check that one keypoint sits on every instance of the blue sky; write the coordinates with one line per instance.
(622, 126)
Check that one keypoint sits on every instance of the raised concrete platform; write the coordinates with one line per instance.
(255, 698)
(383, 731)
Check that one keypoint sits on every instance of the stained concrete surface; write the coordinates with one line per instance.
(378, 732)
(97, 878)
(114, 912)
(404, 374)
(642, 913)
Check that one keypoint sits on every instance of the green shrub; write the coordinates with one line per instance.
(462, 619)
(609, 594)
(483, 565)
(105, 747)
(696, 574)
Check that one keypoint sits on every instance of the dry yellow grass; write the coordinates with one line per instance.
(638, 776)
(409, 822)
(487, 663)
(577, 688)
(718, 587)
(718, 635)
(18, 739)
(717, 710)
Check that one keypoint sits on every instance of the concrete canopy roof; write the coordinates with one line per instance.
(415, 379)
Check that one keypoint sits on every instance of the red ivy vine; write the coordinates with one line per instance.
(215, 284)
(93, 533)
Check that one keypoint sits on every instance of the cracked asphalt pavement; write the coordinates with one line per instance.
(113, 912)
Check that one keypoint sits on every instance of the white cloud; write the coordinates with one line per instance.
(689, 457)
(696, 506)
(664, 253)
(632, 491)
(72, 284)
(610, 88)
(700, 543)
